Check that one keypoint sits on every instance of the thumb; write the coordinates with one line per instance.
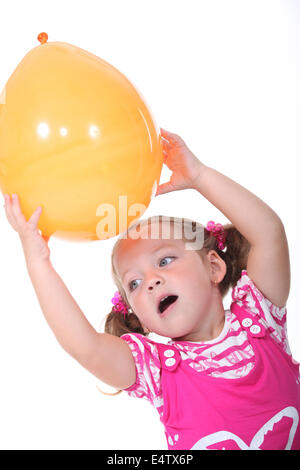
(164, 188)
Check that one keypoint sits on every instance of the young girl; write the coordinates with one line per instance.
(225, 379)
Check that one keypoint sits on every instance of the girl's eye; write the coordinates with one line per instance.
(165, 261)
(133, 284)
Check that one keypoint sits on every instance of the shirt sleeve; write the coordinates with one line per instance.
(148, 369)
(247, 295)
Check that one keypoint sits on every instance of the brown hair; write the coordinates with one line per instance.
(235, 257)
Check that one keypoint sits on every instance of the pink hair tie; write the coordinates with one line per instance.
(120, 305)
(218, 232)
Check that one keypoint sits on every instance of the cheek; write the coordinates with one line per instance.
(138, 303)
(195, 275)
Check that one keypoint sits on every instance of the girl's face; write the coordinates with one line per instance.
(169, 288)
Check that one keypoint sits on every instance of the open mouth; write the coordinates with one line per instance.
(166, 302)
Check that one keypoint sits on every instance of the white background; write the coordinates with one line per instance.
(222, 74)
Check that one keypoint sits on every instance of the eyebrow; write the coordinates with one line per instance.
(169, 246)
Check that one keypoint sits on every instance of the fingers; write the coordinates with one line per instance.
(15, 216)
(164, 188)
(165, 156)
(166, 146)
(166, 136)
(169, 135)
(170, 140)
(33, 221)
(19, 217)
(9, 212)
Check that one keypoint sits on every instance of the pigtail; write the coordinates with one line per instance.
(235, 257)
(117, 325)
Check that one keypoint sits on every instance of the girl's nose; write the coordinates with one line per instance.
(152, 284)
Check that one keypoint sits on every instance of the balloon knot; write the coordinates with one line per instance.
(43, 38)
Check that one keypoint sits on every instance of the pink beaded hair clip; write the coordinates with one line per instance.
(120, 305)
(218, 232)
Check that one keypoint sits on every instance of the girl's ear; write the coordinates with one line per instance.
(217, 266)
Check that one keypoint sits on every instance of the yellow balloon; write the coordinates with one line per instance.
(77, 138)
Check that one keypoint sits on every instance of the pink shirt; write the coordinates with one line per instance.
(238, 391)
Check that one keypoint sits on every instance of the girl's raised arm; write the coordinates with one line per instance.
(268, 262)
(106, 356)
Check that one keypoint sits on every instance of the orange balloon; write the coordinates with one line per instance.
(77, 138)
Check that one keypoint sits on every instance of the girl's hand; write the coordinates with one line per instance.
(185, 166)
(35, 246)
